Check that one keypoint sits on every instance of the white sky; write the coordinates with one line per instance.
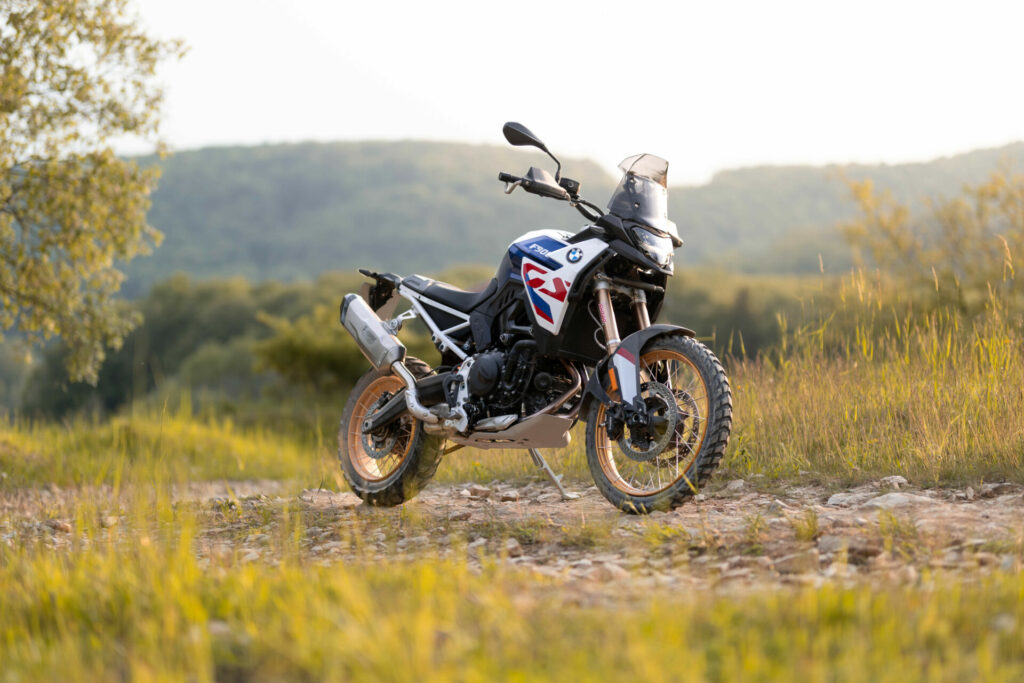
(707, 85)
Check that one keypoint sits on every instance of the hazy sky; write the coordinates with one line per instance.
(707, 85)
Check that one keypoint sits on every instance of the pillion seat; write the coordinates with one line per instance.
(453, 297)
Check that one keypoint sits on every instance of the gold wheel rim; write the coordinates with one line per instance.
(378, 469)
(649, 478)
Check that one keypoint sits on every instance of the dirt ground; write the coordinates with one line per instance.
(738, 535)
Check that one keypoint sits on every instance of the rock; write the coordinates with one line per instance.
(830, 543)
(513, 548)
(549, 497)
(993, 490)
(894, 481)
(476, 543)
(907, 574)
(464, 493)
(251, 556)
(607, 571)
(848, 499)
(798, 563)
(109, 521)
(58, 525)
(478, 491)
(969, 492)
(459, 515)
(734, 574)
(889, 501)
(986, 559)
(736, 485)
(777, 507)
(413, 542)
(509, 496)
(700, 498)
(325, 498)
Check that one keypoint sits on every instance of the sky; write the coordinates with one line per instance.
(707, 85)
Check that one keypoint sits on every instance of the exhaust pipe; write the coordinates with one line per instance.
(382, 348)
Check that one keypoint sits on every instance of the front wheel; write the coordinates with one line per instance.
(684, 385)
(393, 466)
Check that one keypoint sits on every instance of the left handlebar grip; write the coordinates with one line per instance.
(507, 177)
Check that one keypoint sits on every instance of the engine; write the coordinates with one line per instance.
(511, 382)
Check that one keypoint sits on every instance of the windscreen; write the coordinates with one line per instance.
(642, 194)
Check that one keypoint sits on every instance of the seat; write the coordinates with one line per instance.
(453, 297)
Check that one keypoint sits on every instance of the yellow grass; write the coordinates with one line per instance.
(134, 602)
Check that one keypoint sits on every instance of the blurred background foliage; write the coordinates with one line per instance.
(266, 346)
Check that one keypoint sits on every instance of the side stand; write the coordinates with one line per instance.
(539, 460)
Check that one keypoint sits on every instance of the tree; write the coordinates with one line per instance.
(74, 76)
(960, 253)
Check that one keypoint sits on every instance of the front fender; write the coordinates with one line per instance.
(626, 376)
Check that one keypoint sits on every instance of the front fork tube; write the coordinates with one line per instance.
(607, 313)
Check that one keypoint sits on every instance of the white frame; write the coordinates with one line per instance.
(440, 336)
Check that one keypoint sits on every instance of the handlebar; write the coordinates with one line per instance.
(590, 211)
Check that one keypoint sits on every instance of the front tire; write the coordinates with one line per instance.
(696, 379)
(397, 467)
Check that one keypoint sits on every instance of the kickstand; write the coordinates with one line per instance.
(557, 478)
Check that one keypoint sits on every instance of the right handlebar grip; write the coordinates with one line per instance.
(507, 177)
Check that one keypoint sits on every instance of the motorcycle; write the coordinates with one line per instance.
(564, 331)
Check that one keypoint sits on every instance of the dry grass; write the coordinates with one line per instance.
(135, 602)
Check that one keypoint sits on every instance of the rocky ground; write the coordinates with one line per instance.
(737, 535)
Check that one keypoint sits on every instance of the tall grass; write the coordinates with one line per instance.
(937, 397)
(873, 389)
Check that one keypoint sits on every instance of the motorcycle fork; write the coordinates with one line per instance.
(603, 289)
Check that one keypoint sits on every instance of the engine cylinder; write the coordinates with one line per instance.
(485, 373)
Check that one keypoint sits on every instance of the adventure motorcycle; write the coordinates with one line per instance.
(563, 332)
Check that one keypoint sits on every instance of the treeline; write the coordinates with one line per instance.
(237, 346)
(289, 212)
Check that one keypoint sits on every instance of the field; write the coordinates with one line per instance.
(865, 525)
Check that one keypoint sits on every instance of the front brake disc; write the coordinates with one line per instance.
(659, 399)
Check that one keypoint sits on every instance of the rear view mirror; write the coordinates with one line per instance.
(519, 135)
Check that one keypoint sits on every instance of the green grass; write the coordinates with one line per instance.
(134, 602)
(936, 398)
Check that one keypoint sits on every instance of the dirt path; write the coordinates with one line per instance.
(738, 536)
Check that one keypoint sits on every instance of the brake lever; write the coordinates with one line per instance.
(511, 187)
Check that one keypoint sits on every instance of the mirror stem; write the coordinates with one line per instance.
(558, 166)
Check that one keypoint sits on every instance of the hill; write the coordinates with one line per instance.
(293, 211)
(296, 210)
(779, 218)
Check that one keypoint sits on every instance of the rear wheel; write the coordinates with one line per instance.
(390, 467)
(685, 387)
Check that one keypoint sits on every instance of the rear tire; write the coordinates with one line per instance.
(401, 473)
(687, 463)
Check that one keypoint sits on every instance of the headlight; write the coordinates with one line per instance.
(658, 248)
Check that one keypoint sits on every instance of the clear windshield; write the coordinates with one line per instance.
(642, 194)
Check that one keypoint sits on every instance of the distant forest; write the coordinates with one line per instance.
(288, 212)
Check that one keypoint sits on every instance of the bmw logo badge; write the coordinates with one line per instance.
(575, 255)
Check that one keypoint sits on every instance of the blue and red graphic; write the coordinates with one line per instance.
(537, 284)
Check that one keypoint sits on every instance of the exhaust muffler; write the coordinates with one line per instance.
(382, 348)
(373, 338)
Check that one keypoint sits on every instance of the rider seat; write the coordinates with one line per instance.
(453, 297)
